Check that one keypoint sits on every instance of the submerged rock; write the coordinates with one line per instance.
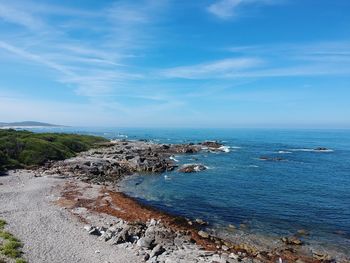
(275, 159)
(303, 232)
(322, 149)
(292, 241)
(201, 222)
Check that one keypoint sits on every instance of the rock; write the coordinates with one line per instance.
(321, 149)
(94, 231)
(201, 222)
(232, 255)
(145, 242)
(242, 226)
(212, 144)
(224, 248)
(231, 226)
(192, 168)
(292, 241)
(203, 234)
(153, 222)
(216, 258)
(303, 232)
(106, 235)
(275, 159)
(320, 256)
(156, 251)
(146, 257)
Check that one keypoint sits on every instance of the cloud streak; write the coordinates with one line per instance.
(95, 65)
(314, 59)
(228, 9)
(217, 68)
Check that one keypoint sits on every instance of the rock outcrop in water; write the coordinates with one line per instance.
(192, 168)
(121, 158)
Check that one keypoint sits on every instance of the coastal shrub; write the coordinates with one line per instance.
(24, 148)
(3, 160)
(2, 224)
(11, 249)
(7, 236)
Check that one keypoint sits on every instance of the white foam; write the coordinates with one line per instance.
(225, 149)
(173, 158)
(253, 166)
(310, 150)
(282, 152)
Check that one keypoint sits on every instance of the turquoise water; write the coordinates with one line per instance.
(306, 190)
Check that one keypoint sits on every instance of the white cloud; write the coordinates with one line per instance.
(310, 59)
(93, 66)
(18, 16)
(226, 9)
(213, 69)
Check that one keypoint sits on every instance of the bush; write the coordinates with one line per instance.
(23, 148)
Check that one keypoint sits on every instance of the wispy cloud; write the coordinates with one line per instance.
(227, 9)
(94, 65)
(312, 59)
(212, 69)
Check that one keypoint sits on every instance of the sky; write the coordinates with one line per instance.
(173, 63)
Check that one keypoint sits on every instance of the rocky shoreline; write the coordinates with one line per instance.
(155, 235)
(121, 158)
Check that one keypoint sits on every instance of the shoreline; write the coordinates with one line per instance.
(101, 168)
(127, 208)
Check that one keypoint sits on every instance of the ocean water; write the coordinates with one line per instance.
(306, 190)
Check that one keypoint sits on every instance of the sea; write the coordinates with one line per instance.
(273, 182)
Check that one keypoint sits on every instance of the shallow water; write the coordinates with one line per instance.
(306, 190)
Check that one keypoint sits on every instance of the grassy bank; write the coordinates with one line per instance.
(20, 149)
(10, 247)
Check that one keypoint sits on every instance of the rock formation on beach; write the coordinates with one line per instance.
(120, 158)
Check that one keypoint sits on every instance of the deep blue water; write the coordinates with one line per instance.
(308, 190)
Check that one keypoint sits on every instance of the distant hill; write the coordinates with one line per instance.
(27, 124)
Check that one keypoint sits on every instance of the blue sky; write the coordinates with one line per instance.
(169, 63)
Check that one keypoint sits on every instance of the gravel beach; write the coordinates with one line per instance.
(50, 233)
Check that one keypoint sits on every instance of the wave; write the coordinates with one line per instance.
(283, 152)
(173, 158)
(311, 150)
(225, 149)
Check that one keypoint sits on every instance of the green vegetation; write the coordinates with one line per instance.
(20, 149)
(10, 247)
